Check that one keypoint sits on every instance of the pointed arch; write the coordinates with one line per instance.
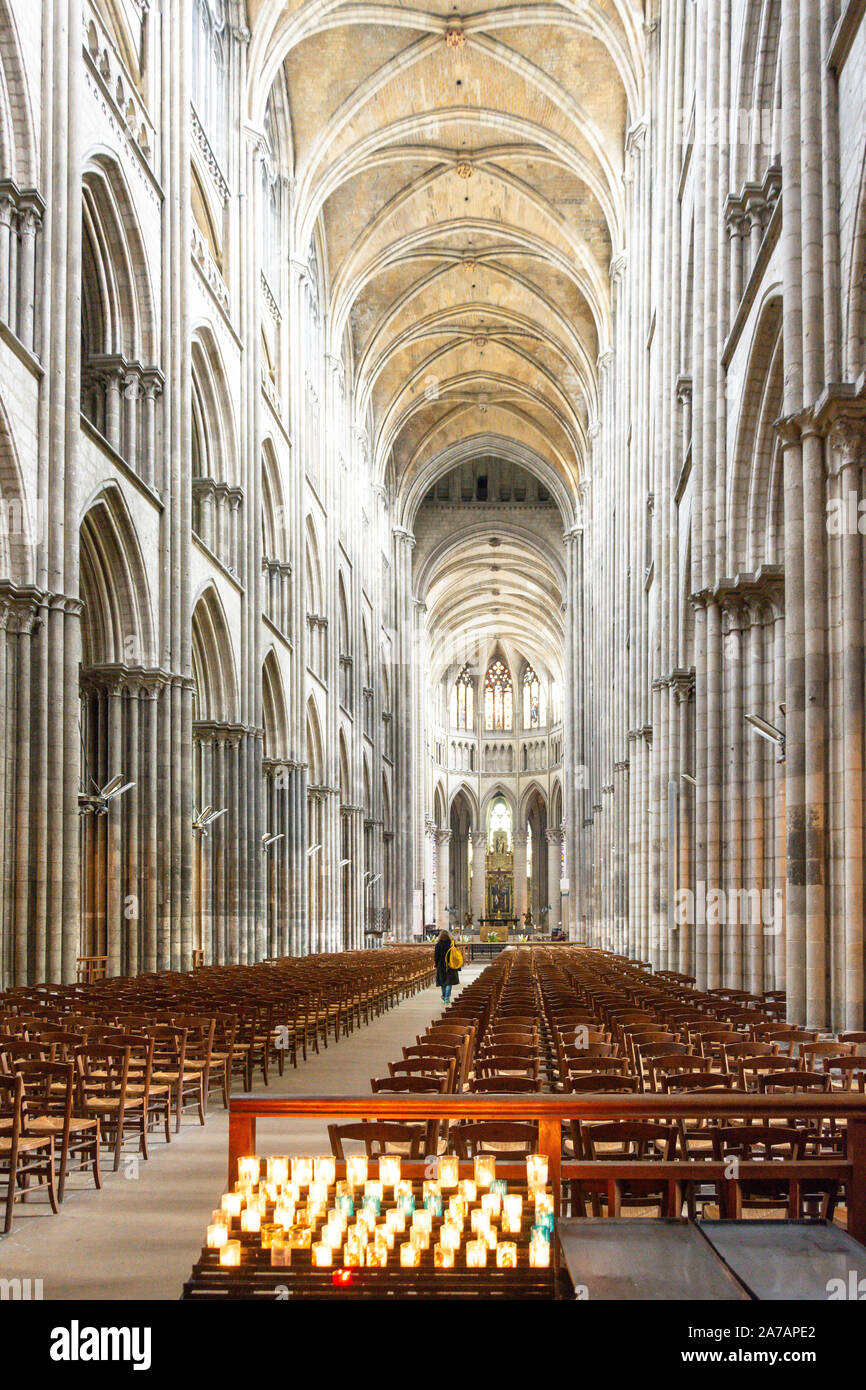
(274, 514)
(17, 126)
(214, 433)
(345, 778)
(275, 720)
(749, 520)
(116, 623)
(315, 754)
(17, 542)
(439, 806)
(213, 663)
(117, 307)
(312, 568)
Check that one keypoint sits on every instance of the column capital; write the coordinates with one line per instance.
(402, 533)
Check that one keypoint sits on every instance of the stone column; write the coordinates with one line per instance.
(443, 878)
(520, 838)
(479, 873)
(554, 873)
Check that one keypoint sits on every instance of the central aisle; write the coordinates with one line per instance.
(139, 1236)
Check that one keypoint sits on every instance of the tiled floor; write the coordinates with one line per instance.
(139, 1236)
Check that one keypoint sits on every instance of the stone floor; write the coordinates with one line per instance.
(139, 1236)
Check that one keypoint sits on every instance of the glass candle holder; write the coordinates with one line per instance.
(284, 1214)
(406, 1203)
(431, 1188)
(479, 1220)
(333, 1236)
(410, 1256)
(302, 1171)
(506, 1255)
(373, 1187)
(395, 1220)
(251, 1219)
(511, 1225)
(300, 1237)
(376, 1256)
(512, 1207)
(373, 1205)
(217, 1236)
(449, 1170)
(356, 1169)
(458, 1207)
(271, 1191)
(422, 1221)
(325, 1169)
(485, 1169)
(365, 1221)
(386, 1236)
(539, 1253)
(443, 1257)
(278, 1170)
(343, 1187)
(536, 1170)
(433, 1204)
(249, 1169)
(231, 1203)
(476, 1254)
(270, 1233)
(230, 1254)
(323, 1255)
(281, 1252)
(467, 1188)
(403, 1188)
(318, 1193)
(390, 1169)
(346, 1203)
(491, 1202)
(353, 1252)
(335, 1216)
(543, 1205)
(420, 1239)
(450, 1235)
(489, 1236)
(499, 1185)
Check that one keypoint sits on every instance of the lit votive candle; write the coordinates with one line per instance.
(489, 1236)
(251, 1219)
(390, 1168)
(300, 1237)
(499, 1185)
(318, 1195)
(386, 1236)
(272, 1191)
(410, 1256)
(249, 1169)
(433, 1204)
(536, 1170)
(479, 1219)
(346, 1203)
(217, 1236)
(353, 1252)
(539, 1253)
(372, 1204)
(374, 1188)
(491, 1202)
(443, 1257)
(323, 1255)
(270, 1233)
(458, 1207)
(284, 1214)
(281, 1252)
(420, 1239)
(395, 1219)
(365, 1221)
(467, 1188)
(506, 1255)
(231, 1203)
(543, 1204)
(449, 1170)
(278, 1170)
(512, 1206)
(325, 1169)
(450, 1235)
(376, 1256)
(230, 1253)
(403, 1188)
(406, 1203)
(422, 1221)
(302, 1171)
(485, 1169)
(476, 1254)
(356, 1169)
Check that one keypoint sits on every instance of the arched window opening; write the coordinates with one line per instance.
(498, 698)
(463, 701)
(533, 708)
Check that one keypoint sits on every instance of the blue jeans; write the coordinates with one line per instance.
(446, 994)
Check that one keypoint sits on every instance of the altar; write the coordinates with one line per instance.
(497, 928)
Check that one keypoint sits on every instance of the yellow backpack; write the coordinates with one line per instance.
(454, 958)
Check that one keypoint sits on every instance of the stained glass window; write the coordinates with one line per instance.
(498, 697)
(463, 701)
(533, 714)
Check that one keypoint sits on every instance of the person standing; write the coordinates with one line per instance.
(447, 960)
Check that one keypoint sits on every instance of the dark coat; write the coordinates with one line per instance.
(444, 976)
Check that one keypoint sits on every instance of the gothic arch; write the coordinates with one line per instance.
(855, 299)
(534, 793)
(214, 435)
(315, 754)
(313, 569)
(752, 535)
(213, 664)
(274, 515)
(116, 624)
(117, 307)
(17, 127)
(275, 721)
(17, 543)
(464, 794)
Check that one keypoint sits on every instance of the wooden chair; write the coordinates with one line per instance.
(624, 1141)
(766, 1142)
(380, 1137)
(49, 1095)
(103, 1078)
(507, 1141)
(22, 1157)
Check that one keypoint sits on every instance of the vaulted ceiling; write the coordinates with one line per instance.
(464, 174)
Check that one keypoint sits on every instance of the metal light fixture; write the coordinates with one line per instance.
(204, 820)
(687, 777)
(768, 732)
(96, 803)
(313, 850)
(268, 840)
